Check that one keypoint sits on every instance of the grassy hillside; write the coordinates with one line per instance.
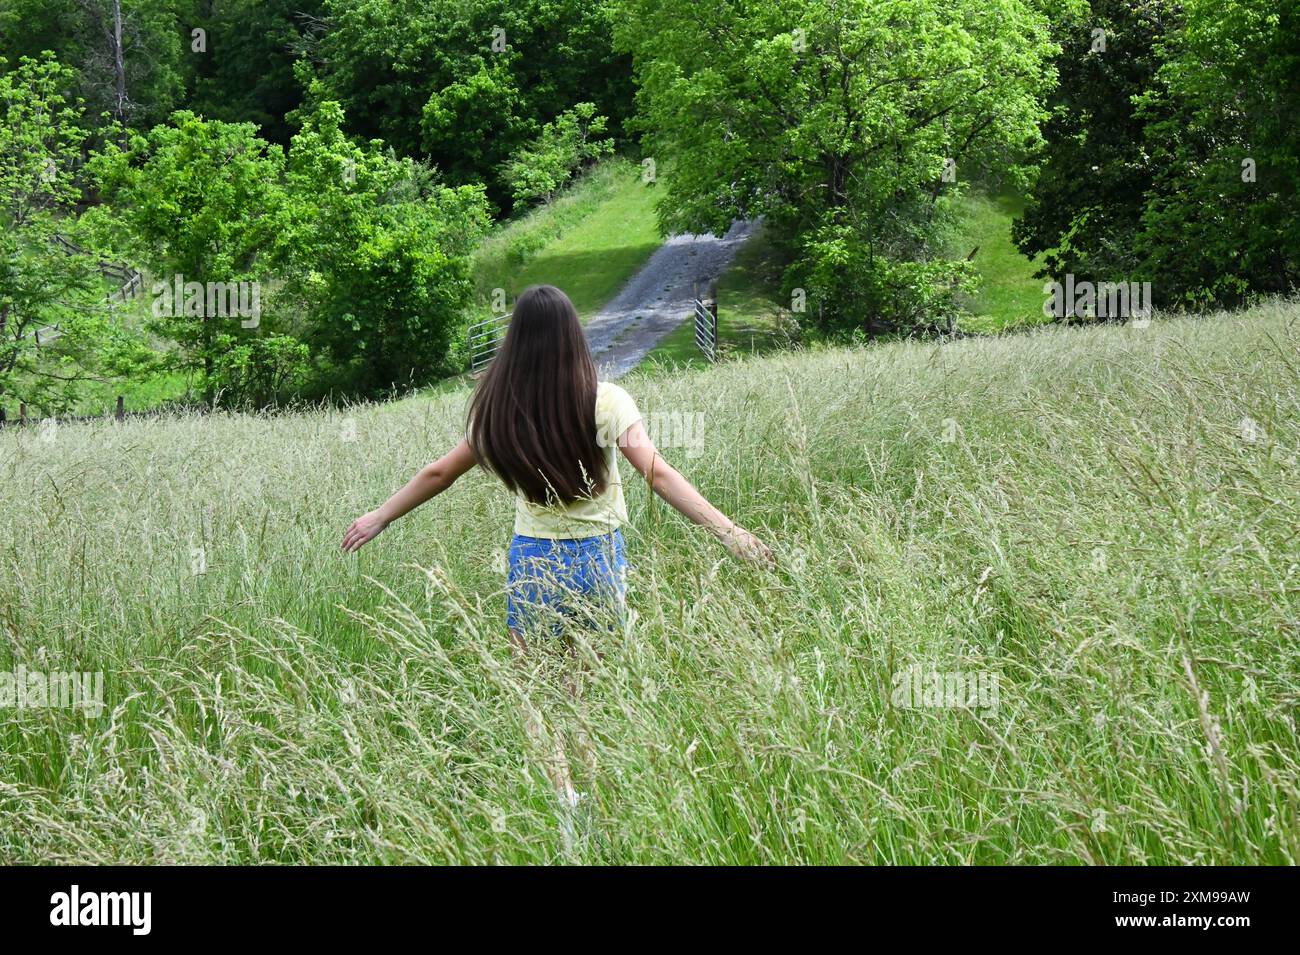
(1101, 519)
(1009, 296)
(589, 241)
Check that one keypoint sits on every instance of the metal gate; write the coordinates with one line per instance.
(484, 340)
(706, 328)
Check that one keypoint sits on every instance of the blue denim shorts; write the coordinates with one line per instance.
(551, 582)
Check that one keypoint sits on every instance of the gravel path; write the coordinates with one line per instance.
(658, 298)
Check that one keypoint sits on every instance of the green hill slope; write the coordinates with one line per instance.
(1009, 296)
(589, 240)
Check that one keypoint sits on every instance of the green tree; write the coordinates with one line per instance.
(1172, 155)
(382, 262)
(1084, 210)
(128, 55)
(1221, 220)
(473, 123)
(844, 122)
(57, 329)
(246, 75)
(200, 202)
(562, 148)
(464, 83)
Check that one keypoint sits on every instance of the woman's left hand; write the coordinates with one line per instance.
(363, 530)
(746, 546)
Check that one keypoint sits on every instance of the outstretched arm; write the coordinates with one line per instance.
(430, 481)
(682, 495)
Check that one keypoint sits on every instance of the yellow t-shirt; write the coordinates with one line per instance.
(605, 512)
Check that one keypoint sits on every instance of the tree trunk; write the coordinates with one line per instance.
(119, 64)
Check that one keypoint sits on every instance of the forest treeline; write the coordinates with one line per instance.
(303, 183)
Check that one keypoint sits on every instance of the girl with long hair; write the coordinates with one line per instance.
(541, 422)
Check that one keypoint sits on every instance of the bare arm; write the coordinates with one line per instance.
(665, 480)
(430, 481)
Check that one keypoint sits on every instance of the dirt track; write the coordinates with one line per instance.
(658, 298)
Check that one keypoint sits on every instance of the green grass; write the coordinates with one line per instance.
(752, 317)
(1009, 295)
(1102, 518)
(588, 241)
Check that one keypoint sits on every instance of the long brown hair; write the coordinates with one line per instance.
(532, 419)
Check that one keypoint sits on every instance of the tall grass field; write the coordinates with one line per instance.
(1097, 525)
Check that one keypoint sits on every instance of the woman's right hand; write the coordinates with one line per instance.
(745, 546)
(363, 530)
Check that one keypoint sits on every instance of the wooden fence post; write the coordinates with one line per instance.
(22, 414)
(121, 408)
